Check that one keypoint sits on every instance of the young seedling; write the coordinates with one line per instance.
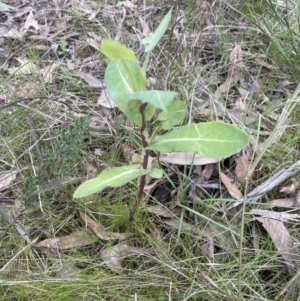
(126, 84)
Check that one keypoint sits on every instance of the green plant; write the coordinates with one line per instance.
(59, 160)
(126, 84)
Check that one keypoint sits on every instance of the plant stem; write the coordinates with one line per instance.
(145, 163)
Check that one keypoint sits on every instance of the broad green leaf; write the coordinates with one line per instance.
(123, 78)
(173, 116)
(211, 139)
(115, 177)
(5, 7)
(152, 41)
(159, 99)
(156, 173)
(114, 51)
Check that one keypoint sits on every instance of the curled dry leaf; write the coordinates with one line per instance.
(292, 188)
(232, 189)
(242, 169)
(100, 231)
(113, 256)
(74, 240)
(281, 239)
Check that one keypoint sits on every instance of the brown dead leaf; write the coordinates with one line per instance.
(113, 256)
(91, 80)
(281, 239)
(242, 171)
(74, 240)
(6, 178)
(232, 189)
(238, 114)
(30, 24)
(100, 231)
(14, 34)
(205, 174)
(208, 171)
(27, 67)
(182, 158)
(48, 71)
(207, 249)
(292, 188)
(234, 73)
(161, 210)
(187, 228)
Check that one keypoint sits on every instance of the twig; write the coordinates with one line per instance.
(8, 215)
(268, 185)
(35, 139)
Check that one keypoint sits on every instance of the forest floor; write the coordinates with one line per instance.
(221, 230)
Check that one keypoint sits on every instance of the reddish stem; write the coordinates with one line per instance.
(145, 163)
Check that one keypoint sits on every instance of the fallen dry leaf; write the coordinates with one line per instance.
(91, 80)
(182, 158)
(6, 178)
(187, 228)
(30, 24)
(283, 203)
(207, 249)
(234, 73)
(161, 210)
(297, 200)
(74, 240)
(100, 231)
(113, 256)
(27, 67)
(292, 188)
(242, 172)
(281, 239)
(205, 174)
(238, 114)
(232, 189)
(14, 34)
(281, 216)
(48, 71)
(105, 101)
(129, 4)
